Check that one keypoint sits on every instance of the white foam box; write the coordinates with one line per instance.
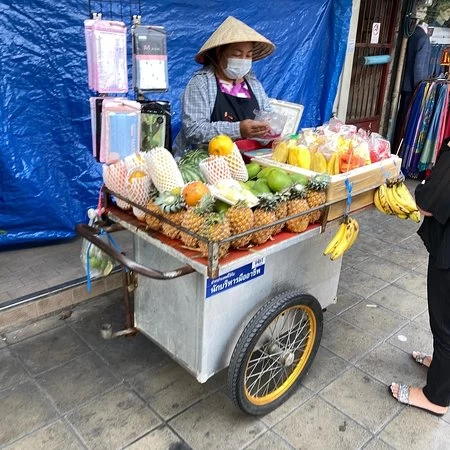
(364, 181)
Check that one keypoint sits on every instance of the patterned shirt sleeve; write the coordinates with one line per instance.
(197, 104)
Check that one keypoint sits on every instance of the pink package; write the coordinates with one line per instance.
(109, 56)
(88, 35)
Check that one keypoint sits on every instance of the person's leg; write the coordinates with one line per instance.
(437, 389)
(436, 394)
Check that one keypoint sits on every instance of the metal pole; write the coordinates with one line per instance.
(395, 93)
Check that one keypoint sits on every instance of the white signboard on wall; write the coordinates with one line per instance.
(375, 38)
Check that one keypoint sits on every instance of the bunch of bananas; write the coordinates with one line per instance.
(394, 198)
(344, 238)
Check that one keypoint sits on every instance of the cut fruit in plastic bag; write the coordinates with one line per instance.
(215, 168)
(163, 169)
(114, 177)
(95, 261)
(237, 165)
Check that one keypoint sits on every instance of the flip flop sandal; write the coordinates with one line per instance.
(420, 358)
(403, 397)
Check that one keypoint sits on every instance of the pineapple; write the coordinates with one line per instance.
(295, 205)
(216, 227)
(281, 211)
(194, 218)
(241, 220)
(153, 222)
(317, 194)
(173, 208)
(264, 214)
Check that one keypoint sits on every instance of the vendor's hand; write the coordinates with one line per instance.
(253, 128)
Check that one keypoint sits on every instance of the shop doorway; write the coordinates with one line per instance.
(375, 37)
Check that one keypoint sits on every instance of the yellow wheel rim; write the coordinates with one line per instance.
(280, 355)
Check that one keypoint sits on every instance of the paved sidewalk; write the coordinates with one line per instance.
(63, 387)
(27, 271)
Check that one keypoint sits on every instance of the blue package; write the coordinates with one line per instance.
(123, 133)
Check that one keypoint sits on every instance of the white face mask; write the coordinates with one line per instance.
(237, 68)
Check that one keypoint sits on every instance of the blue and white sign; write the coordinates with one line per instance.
(235, 277)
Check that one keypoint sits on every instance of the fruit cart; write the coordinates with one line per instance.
(256, 311)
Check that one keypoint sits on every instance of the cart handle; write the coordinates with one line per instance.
(90, 233)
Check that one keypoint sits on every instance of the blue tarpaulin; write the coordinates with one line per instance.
(48, 175)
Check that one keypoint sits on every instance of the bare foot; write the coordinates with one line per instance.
(417, 398)
(421, 358)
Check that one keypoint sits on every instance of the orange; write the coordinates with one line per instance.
(220, 145)
(194, 191)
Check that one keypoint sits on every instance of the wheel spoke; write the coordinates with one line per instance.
(300, 330)
(267, 383)
(297, 329)
(264, 371)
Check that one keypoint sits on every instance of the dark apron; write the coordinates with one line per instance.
(228, 108)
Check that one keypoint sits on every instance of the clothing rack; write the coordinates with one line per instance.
(425, 126)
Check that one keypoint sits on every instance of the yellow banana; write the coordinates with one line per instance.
(415, 215)
(397, 207)
(376, 202)
(402, 194)
(382, 195)
(336, 239)
(344, 242)
(355, 233)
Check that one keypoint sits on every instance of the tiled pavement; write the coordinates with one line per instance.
(63, 387)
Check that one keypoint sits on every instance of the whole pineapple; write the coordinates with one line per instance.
(264, 214)
(296, 204)
(173, 207)
(281, 211)
(194, 219)
(153, 222)
(241, 220)
(215, 228)
(317, 194)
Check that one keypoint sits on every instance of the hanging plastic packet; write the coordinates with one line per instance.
(120, 130)
(109, 56)
(89, 38)
(155, 125)
(95, 104)
(95, 261)
(150, 58)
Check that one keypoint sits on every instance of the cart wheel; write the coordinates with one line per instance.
(274, 352)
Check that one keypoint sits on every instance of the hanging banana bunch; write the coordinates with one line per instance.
(344, 238)
(394, 198)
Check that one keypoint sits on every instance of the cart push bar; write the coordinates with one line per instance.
(90, 233)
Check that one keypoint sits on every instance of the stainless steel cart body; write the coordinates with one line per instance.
(198, 320)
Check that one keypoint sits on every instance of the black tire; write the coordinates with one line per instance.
(279, 357)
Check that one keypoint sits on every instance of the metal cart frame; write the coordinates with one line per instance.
(258, 312)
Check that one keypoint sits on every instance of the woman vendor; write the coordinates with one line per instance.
(222, 96)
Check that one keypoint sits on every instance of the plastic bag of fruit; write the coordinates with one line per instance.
(379, 147)
(96, 262)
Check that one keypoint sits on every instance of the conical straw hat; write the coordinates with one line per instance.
(233, 30)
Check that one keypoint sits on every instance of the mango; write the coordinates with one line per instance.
(279, 181)
(253, 169)
(298, 178)
(261, 186)
(264, 173)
